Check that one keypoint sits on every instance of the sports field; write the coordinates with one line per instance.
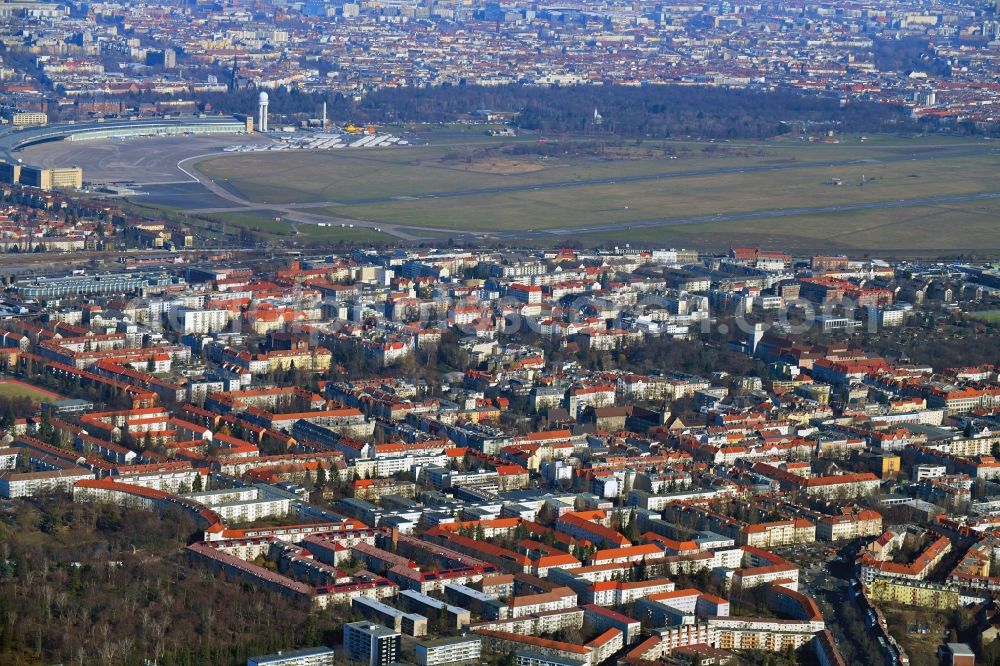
(922, 193)
(11, 388)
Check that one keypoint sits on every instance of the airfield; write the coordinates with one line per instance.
(922, 194)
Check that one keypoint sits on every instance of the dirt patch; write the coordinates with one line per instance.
(504, 167)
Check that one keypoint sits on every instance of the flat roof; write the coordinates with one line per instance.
(12, 141)
(449, 640)
(292, 654)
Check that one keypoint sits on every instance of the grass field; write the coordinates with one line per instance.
(263, 222)
(989, 316)
(706, 195)
(359, 176)
(337, 233)
(955, 227)
(10, 388)
(275, 226)
(460, 186)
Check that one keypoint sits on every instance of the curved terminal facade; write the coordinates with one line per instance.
(13, 171)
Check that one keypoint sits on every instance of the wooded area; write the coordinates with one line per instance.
(87, 584)
(633, 111)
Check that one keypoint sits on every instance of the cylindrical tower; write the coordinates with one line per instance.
(262, 112)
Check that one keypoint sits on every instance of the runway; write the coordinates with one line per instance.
(664, 176)
(756, 215)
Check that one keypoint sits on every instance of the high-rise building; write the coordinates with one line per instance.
(370, 643)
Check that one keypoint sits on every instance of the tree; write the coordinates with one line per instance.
(196, 485)
(632, 527)
(321, 477)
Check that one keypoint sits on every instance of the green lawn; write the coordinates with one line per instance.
(256, 221)
(338, 233)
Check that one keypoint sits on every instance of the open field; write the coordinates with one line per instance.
(268, 224)
(888, 192)
(263, 222)
(337, 233)
(11, 388)
(959, 227)
(926, 193)
(273, 225)
(379, 176)
(989, 316)
(624, 202)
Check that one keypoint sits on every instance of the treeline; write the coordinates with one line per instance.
(15, 407)
(658, 111)
(909, 54)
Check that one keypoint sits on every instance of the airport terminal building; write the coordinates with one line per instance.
(14, 172)
(59, 178)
